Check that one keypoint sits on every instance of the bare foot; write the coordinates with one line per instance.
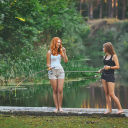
(107, 111)
(119, 112)
(56, 110)
(61, 110)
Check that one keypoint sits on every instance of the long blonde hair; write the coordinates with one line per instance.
(109, 48)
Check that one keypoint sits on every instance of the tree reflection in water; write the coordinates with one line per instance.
(77, 94)
(97, 96)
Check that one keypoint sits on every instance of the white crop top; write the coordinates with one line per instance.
(55, 61)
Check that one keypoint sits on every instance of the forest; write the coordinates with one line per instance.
(27, 27)
(94, 9)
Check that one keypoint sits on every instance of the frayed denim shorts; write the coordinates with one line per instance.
(56, 74)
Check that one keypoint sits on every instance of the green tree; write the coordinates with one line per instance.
(19, 25)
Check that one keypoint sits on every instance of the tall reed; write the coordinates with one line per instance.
(19, 69)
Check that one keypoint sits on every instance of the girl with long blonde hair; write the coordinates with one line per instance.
(108, 81)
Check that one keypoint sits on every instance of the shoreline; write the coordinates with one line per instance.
(48, 111)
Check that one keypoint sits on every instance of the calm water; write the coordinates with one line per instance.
(87, 93)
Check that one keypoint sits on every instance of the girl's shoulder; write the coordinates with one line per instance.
(49, 52)
(114, 57)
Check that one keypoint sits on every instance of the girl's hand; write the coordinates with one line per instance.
(106, 67)
(64, 56)
(63, 49)
(100, 70)
(50, 68)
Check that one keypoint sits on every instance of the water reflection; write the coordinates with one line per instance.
(78, 94)
(97, 98)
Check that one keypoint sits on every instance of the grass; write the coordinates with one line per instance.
(93, 121)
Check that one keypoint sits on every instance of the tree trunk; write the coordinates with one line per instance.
(80, 6)
(88, 9)
(100, 9)
(91, 10)
(123, 10)
(109, 8)
(98, 2)
(112, 8)
(115, 8)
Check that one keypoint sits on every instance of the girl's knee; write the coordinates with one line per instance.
(112, 94)
(60, 91)
(106, 93)
(55, 91)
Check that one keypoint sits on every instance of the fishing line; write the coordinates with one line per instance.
(74, 72)
(52, 73)
(83, 71)
(28, 77)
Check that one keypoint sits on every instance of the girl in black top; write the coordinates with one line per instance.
(108, 81)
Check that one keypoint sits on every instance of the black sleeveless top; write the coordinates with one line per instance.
(109, 62)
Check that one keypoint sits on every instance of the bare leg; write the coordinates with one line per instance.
(108, 98)
(55, 97)
(60, 92)
(112, 94)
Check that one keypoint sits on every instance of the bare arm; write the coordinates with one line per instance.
(115, 59)
(48, 59)
(64, 56)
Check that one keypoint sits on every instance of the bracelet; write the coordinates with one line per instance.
(110, 67)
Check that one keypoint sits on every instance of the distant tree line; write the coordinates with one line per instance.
(94, 9)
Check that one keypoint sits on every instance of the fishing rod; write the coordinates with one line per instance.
(49, 69)
(34, 74)
(75, 71)
(30, 76)
(60, 72)
(83, 71)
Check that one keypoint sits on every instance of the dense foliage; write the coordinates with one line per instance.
(26, 22)
(27, 27)
(19, 26)
(121, 47)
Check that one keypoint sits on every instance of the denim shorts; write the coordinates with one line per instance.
(56, 74)
(108, 77)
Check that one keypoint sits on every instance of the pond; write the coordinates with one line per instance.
(86, 93)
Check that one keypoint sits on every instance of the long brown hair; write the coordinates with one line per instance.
(54, 48)
(109, 48)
